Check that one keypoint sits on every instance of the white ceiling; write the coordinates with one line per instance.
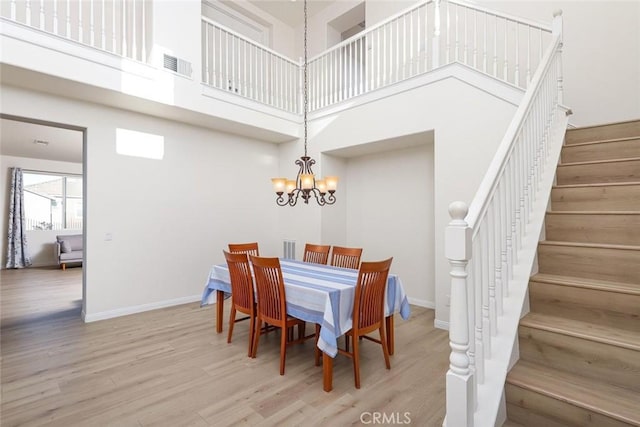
(291, 12)
(17, 139)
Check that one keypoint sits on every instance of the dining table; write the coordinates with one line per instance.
(320, 294)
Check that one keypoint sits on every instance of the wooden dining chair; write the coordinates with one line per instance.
(318, 254)
(368, 312)
(242, 297)
(272, 307)
(244, 248)
(346, 257)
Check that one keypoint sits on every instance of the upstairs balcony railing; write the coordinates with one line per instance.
(236, 64)
(121, 27)
(425, 37)
(429, 35)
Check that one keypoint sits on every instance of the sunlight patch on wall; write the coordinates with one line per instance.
(139, 144)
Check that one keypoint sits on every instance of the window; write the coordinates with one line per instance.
(52, 201)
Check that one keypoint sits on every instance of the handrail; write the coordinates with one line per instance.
(421, 38)
(248, 40)
(488, 185)
(372, 28)
(238, 65)
(93, 23)
(491, 245)
(530, 22)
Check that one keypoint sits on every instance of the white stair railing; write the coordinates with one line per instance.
(498, 44)
(485, 244)
(117, 26)
(234, 63)
(393, 50)
(429, 35)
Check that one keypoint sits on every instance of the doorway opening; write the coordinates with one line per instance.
(52, 159)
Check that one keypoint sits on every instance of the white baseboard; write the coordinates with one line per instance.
(441, 324)
(421, 303)
(93, 317)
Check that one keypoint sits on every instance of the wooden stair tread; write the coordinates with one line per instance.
(598, 184)
(605, 124)
(603, 141)
(578, 282)
(589, 245)
(596, 162)
(615, 402)
(595, 332)
(594, 212)
(602, 131)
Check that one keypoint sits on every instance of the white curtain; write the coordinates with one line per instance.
(17, 252)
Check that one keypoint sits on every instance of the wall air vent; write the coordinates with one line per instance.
(177, 65)
(289, 249)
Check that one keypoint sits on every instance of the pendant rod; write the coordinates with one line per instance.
(306, 89)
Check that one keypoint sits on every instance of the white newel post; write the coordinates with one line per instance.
(459, 382)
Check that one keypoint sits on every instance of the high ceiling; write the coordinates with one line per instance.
(291, 12)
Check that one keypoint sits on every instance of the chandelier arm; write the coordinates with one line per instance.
(319, 197)
(280, 201)
(331, 199)
(293, 197)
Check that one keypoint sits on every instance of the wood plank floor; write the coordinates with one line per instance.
(169, 368)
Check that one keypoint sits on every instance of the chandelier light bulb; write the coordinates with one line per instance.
(290, 186)
(332, 183)
(279, 185)
(321, 185)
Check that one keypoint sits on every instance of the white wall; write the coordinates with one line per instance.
(320, 35)
(282, 39)
(390, 214)
(601, 55)
(169, 218)
(40, 242)
(466, 129)
(379, 10)
(333, 229)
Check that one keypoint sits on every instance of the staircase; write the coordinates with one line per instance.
(580, 344)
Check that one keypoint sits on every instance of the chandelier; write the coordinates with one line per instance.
(305, 185)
